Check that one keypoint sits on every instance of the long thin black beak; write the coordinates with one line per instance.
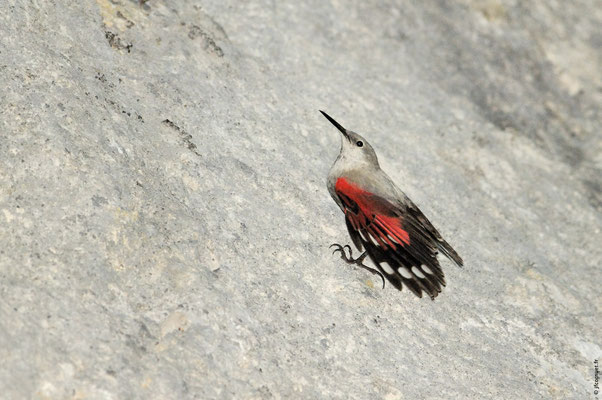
(335, 123)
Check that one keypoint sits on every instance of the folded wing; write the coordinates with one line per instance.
(399, 239)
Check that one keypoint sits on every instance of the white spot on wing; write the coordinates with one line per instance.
(387, 268)
(393, 239)
(427, 269)
(418, 273)
(404, 272)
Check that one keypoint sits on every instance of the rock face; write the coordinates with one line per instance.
(164, 220)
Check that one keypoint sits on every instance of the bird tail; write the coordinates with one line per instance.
(450, 253)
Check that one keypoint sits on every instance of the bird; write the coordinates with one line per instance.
(383, 222)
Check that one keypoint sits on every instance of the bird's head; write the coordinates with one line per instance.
(354, 148)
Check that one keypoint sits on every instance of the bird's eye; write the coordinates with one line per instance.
(360, 143)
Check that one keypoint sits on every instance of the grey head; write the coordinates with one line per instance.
(356, 152)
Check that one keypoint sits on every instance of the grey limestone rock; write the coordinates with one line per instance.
(164, 220)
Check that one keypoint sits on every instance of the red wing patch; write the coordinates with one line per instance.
(369, 212)
(393, 238)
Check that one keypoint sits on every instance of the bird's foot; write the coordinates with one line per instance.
(357, 261)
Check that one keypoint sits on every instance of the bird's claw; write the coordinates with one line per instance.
(342, 250)
(358, 261)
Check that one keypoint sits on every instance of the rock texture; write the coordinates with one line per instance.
(164, 221)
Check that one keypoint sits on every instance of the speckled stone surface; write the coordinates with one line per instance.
(164, 221)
